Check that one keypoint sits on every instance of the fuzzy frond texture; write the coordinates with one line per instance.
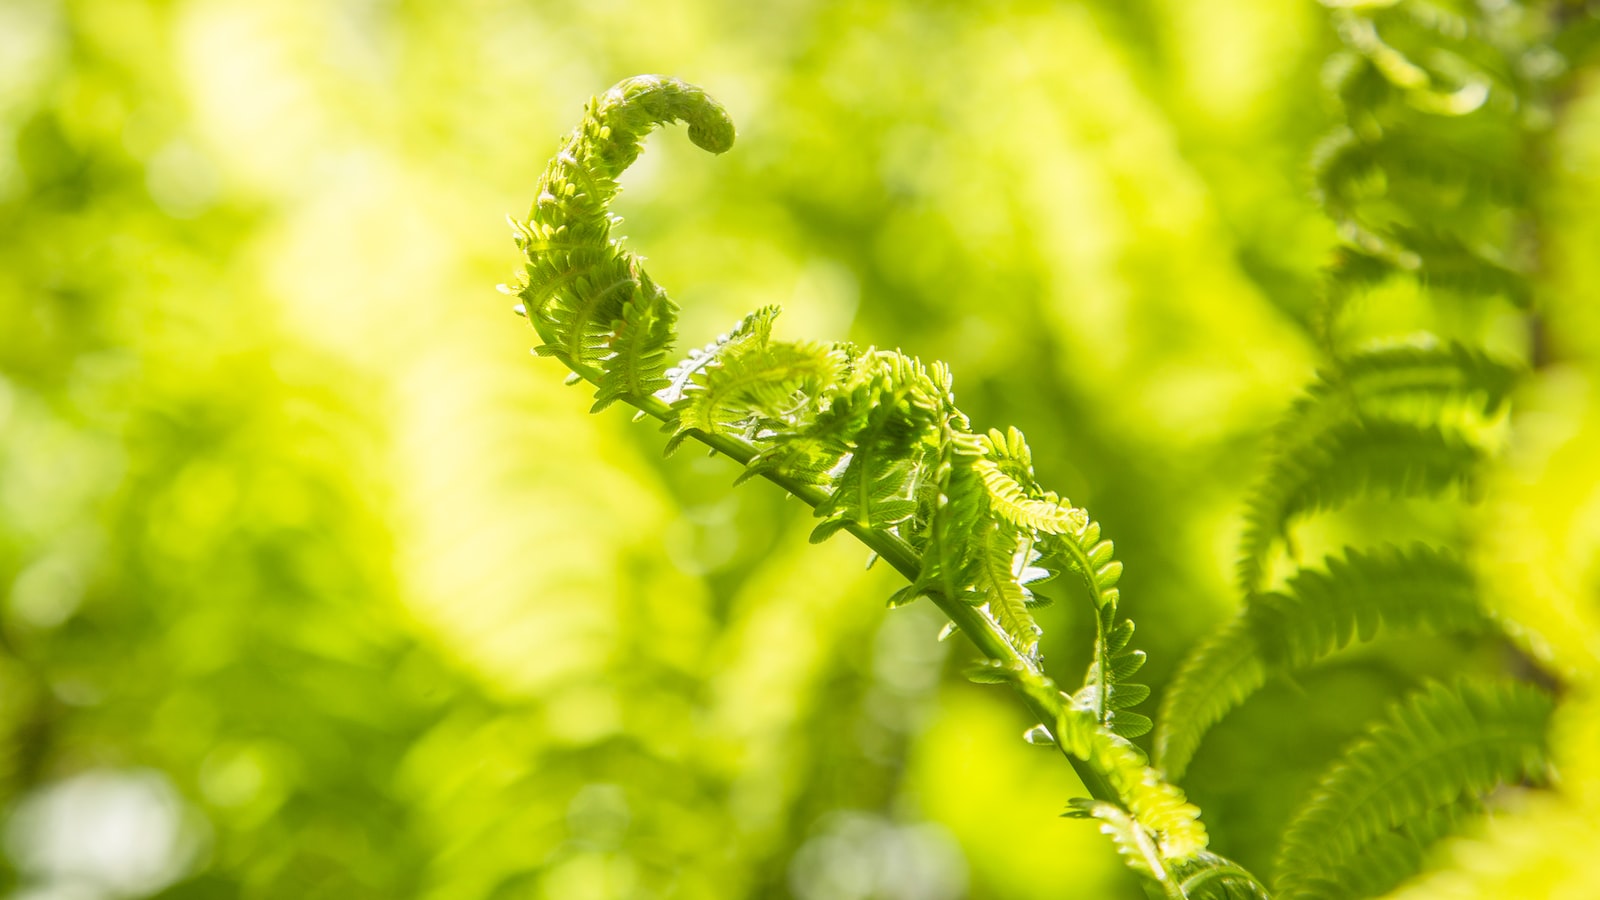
(591, 302)
(873, 440)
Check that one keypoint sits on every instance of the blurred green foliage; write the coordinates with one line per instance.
(317, 586)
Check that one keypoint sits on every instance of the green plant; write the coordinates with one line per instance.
(1433, 222)
(1431, 179)
(872, 440)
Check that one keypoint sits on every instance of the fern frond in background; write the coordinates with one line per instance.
(1390, 592)
(1426, 765)
(1426, 326)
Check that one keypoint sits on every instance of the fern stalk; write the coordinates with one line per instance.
(873, 443)
(1038, 691)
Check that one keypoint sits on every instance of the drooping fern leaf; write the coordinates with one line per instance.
(1349, 166)
(1415, 377)
(1428, 183)
(1364, 410)
(1428, 177)
(1417, 590)
(1450, 262)
(1352, 459)
(1393, 855)
(1443, 746)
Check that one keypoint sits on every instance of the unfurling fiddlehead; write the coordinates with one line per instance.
(872, 440)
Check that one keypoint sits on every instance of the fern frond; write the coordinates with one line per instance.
(1202, 875)
(1404, 63)
(1154, 803)
(1349, 165)
(1362, 411)
(1134, 844)
(881, 451)
(1416, 380)
(641, 341)
(1447, 262)
(1072, 542)
(873, 491)
(1207, 876)
(1217, 676)
(579, 283)
(757, 324)
(1351, 459)
(1372, 423)
(1419, 373)
(997, 580)
(955, 521)
(1105, 691)
(1394, 855)
(1417, 590)
(881, 423)
(573, 297)
(1007, 472)
(757, 383)
(1429, 170)
(871, 440)
(1403, 591)
(799, 458)
(1046, 512)
(1441, 745)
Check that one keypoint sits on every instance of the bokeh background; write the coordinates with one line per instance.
(316, 584)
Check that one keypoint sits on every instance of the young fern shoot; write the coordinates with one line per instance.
(872, 440)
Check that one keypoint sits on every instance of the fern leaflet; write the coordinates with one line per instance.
(1071, 542)
(1207, 876)
(1441, 745)
(756, 385)
(641, 340)
(1349, 460)
(997, 580)
(1417, 590)
(1155, 804)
